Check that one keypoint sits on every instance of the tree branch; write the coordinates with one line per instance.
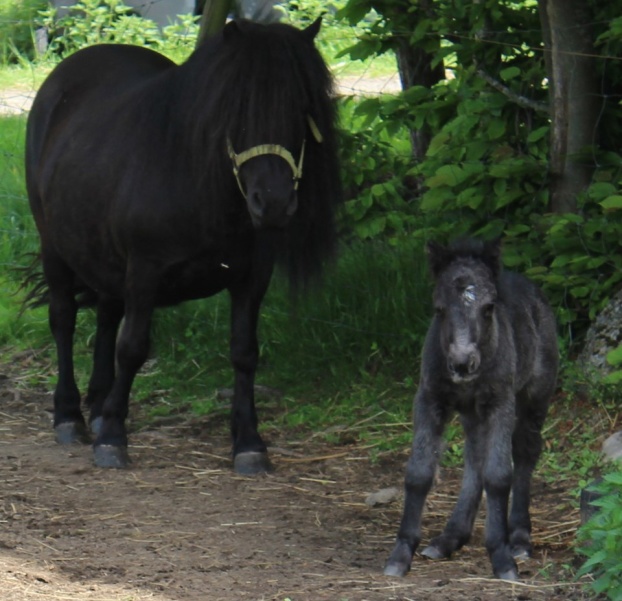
(540, 107)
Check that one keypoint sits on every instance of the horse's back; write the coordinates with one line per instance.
(83, 82)
(534, 329)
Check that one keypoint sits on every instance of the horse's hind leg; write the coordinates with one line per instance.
(109, 315)
(68, 420)
(110, 446)
(526, 449)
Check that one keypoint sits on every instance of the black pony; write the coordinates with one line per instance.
(491, 355)
(152, 184)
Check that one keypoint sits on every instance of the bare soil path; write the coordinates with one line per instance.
(180, 525)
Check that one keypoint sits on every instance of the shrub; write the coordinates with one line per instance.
(16, 31)
(601, 539)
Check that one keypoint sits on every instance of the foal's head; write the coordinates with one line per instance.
(465, 296)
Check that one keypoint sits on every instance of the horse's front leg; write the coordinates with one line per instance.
(420, 471)
(110, 447)
(250, 455)
(457, 532)
(497, 474)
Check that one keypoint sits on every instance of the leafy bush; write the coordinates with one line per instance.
(601, 539)
(111, 21)
(16, 31)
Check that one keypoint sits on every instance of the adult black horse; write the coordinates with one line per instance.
(152, 184)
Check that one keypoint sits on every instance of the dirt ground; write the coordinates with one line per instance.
(180, 525)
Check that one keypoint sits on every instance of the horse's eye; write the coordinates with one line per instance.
(440, 311)
(488, 310)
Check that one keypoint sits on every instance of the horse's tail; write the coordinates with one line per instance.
(33, 283)
(36, 288)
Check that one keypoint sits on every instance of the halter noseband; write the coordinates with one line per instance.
(239, 159)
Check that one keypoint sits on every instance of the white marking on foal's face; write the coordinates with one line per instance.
(468, 296)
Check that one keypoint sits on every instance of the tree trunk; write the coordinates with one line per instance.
(573, 98)
(414, 66)
(415, 69)
(214, 18)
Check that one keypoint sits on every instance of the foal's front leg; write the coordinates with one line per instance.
(458, 530)
(497, 484)
(420, 470)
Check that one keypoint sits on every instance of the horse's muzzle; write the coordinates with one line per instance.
(269, 210)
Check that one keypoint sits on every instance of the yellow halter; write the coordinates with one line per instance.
(239, 159)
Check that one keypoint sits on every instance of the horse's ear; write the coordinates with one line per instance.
(437, 257)
(230, 31)
(492, 256)
(313, 29)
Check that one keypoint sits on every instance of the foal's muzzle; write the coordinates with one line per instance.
(463, 363)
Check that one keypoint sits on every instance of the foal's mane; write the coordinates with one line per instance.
(249, 83)
(487, 252)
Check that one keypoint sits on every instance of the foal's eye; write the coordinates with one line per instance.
(488, 310)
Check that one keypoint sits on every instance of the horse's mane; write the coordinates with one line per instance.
(248, 83)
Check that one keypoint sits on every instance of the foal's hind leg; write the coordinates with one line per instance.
(526, 449)
(68, 420)
(109, 315)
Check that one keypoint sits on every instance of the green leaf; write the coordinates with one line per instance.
(614, 357)
(612, 202)
(496, 129)
(537, 134)
(509, 73)
(447, 175)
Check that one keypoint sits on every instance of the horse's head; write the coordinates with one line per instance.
(465, 296)
(267, 146)
(268, 176)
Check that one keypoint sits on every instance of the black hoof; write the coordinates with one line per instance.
(96, 425)
(432, 552)
(399, 561)
(72, 432)
(110, 456)
(251, 463)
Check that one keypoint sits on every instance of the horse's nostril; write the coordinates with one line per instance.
(293, 205)
(256, 204)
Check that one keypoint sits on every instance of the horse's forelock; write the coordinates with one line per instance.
(259, 82)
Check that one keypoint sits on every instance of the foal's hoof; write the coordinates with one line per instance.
(431, 552)
(110, 456)
(399, 561)
(511, 574)
(251, 463)
(72, 432)
(96, 425)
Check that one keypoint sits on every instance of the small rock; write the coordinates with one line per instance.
(382, 497)
(612, 447)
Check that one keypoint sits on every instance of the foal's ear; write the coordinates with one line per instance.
(492, 256)
(438, 257)
(313, 29)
